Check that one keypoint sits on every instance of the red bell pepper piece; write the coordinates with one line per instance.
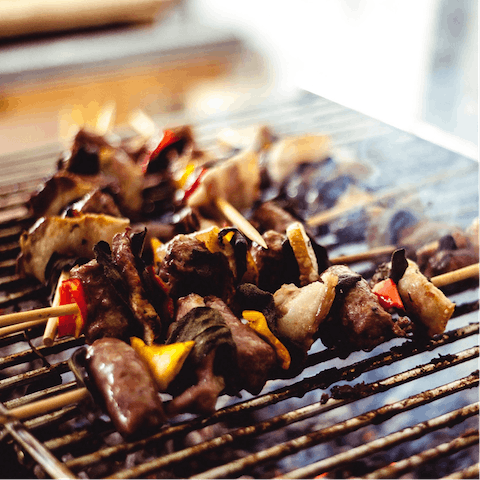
(71, 291)
(170, 306)
(168, 139)
(387, 294)
(194, 185)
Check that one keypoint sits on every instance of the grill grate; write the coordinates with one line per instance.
(404, 407)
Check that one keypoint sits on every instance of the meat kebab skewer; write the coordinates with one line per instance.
(80, 394)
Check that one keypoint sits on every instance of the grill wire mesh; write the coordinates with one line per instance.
(405, 408)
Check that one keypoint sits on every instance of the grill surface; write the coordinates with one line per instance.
(405, 408)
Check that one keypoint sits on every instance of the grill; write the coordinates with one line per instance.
(405, 408)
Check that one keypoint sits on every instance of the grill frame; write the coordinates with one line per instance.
(305, 113)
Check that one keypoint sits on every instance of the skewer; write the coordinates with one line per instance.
(74, 396)
(49, 404)
(21, 320)
(456, 276)
(367, 255)
(38, 314)
(52, 322)
(237, 219)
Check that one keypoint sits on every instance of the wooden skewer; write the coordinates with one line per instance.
(52, 322)
(49, 404)
(237, 219)
(456, 276)
(18, 327)
(367, 255)
(38, 314)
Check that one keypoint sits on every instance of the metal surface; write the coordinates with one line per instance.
(411, 403)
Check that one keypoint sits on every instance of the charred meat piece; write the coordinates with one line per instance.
(211, 366)
(255, 357)
(69, 237)
(356, 321)
(276, 265)
(61, 190)
(107, 314)
(126, 387)
(123, 268)
(448, 256)
(189, 267)
(85, 153)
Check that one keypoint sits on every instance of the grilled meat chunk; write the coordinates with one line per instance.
(126, 387)
(107, 314)
(276, 265)
(255, 357)
(356, 321)
(189, 267)
(211, 366)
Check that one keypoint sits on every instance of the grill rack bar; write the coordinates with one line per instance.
(393, 439)
(469, 472)
(281, 420)
(346, 128)
(301, 443)
(403, 466)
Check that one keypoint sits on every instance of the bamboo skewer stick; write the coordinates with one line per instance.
(456, 276)
(367, 255)
(237, 219)
(37, 314)
(49, 404)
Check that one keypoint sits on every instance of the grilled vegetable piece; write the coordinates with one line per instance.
(69, 237)
(424, 301)
(304, 253)
(258, 322)
(71, 291)
(126, 387)
(164, 361)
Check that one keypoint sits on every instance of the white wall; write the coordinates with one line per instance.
(373, 56)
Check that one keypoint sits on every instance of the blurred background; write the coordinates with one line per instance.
(410, 64)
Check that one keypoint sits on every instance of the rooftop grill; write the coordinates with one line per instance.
(405, 408)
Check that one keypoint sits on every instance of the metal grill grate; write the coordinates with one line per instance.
(404, 407)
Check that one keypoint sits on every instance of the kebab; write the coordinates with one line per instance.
(191, 398)
(305, 285)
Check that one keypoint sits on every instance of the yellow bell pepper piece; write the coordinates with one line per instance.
(189, 169)
(258, 322)
(159, 251)
(164, 361)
